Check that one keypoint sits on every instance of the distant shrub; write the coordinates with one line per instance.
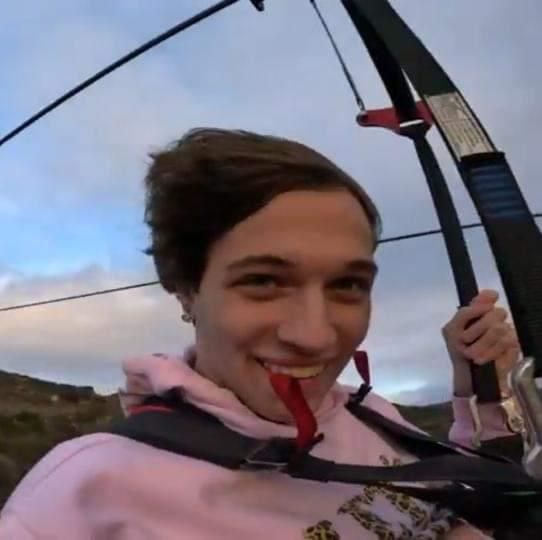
(8, 426)
(31, 421)
(26, 450)
(63, 427)
(9, 474)
(92, 412)
(21, 423)
(70, 396)
(73, 394)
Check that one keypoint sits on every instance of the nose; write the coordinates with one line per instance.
(308, 325)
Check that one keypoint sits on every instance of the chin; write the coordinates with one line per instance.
(279, 414)
(276, 412)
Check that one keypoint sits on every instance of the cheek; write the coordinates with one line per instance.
(357, 326)
(365, 318)
(230, 322)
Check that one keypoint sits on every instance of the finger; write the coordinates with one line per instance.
(483, 355)
(495, 317)
(497, 333)
(468, 314)
(513, 349)
(485, 296)
(508, 359)
(494, 346)
(505, 364)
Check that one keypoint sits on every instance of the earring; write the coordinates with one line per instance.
(187, 318)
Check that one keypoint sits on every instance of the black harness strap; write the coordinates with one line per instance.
(412, 125)
(191, 432)
(485, 171)
(416, 442)
(485, 490)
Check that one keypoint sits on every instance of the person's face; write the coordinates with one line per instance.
(286, 289)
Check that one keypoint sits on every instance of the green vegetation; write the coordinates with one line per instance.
(37, 415)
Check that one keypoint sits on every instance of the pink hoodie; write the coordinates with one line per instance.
(103, 486)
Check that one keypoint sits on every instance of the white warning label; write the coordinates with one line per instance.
(460, 127)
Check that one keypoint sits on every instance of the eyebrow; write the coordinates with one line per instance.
(355, 265)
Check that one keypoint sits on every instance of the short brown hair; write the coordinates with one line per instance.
(204, 184)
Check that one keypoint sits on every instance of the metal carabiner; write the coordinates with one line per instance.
(523, 384)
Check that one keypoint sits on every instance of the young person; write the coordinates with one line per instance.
(269, 247)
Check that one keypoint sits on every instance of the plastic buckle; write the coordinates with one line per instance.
(360, 394)
(260, 458)
(413, 128)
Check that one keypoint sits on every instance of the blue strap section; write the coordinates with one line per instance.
(516, 242)
(497, 193)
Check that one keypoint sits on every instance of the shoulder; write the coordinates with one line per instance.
(73, 463)
(74, 480)
(386, 408)
(383, 406)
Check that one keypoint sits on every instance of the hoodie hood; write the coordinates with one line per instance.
(157, 374)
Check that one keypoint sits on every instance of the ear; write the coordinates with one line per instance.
(186, 300)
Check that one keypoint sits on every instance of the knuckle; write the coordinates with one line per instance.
(498, 331)
(474, 353)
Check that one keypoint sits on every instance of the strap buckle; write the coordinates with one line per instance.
(269, 455)
(414, 128)
(522, 380)
(514, 420)
(476, 438)
(512, 415)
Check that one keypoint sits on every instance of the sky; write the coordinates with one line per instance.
(71, 185)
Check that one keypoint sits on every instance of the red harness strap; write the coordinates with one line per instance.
(136, 409)
(289, 391)
(361, 360)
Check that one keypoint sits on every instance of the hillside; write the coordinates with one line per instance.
(36, 415)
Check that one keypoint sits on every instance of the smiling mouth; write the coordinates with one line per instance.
(297, 372)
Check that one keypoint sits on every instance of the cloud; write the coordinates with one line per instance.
(84, 341)
(264, 77)
(71, 205)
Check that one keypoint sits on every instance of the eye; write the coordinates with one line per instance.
(352, 286)
(260, 287)
(263, 281)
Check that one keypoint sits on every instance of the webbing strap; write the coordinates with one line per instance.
(515, 240)
(444, 468)
(486, 492)
(365, 16)
(485, 382)
(416, 442)
(188, 431)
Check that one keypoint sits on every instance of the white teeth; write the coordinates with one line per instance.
(304, 372)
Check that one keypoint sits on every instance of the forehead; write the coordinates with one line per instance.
(308, 227)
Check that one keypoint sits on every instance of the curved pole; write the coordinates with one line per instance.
(514, 238)
(484, 379)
